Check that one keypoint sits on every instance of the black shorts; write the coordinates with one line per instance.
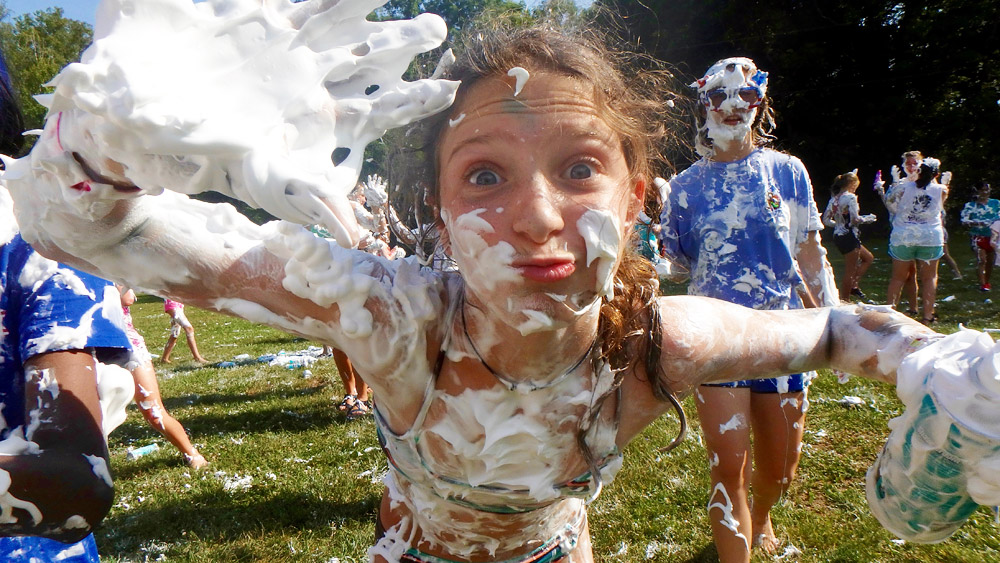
(846, 243)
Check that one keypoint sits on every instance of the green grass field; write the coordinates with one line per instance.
(291, 480)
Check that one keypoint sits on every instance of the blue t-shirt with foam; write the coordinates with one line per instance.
(735, 226)
(47, 307)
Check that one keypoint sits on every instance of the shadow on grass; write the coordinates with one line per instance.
(708, 554)
(222, 518)
(258, 420)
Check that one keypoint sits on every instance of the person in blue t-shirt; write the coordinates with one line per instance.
(977, 216)
(743, 222)
(55, 484)
(55, 322)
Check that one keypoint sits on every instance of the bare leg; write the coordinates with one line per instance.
(725, 423)
(991, 257)
(951, 262)
(364, 390)
(171, 342)
(346, 371)
(778, 422)
(192, 344)
(850, 274)
(984, 265)
(928, 278)
(910, 288)
(900, 270)
(865, 259)
(147, 398)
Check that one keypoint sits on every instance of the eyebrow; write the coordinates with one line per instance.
(507, 136)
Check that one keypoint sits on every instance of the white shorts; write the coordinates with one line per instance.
(178, 322)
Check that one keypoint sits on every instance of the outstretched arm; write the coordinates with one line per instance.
(707, 340)
(271, 103)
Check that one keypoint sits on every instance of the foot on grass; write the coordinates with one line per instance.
(764, 538)
(196, 461)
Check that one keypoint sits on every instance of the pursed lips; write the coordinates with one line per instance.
(546, 269)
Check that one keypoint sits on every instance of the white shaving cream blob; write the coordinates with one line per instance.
(167, 85)
(727, 519)
(520, 78)
(9, 502)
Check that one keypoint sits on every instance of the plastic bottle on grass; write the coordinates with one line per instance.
(136, 453)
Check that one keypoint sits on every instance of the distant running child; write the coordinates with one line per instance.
(178, 320)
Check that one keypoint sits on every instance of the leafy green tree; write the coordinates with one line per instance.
(37, 46)
(854, 83)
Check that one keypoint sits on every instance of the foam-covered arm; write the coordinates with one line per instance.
(707, 340)
(816, 271)
(827, 216)
(271, 102)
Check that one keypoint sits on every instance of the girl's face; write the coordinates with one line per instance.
(536, 198)
(912, 166)
(983, 194)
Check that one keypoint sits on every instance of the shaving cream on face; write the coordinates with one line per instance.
(488, 272)
(520, 78)
(601, 230)
(488, 268)
(727, 77)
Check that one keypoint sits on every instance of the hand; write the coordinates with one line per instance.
(879, 184)
(897, 175)
(946, 178)
(375, 192)
(249, 99)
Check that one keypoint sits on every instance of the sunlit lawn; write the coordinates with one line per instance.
(291, 480)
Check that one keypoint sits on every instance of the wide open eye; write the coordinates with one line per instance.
(580, 171)
(750, 95)
(716, 97)
(484, 177)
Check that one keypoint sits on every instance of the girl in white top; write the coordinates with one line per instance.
(844, 215)
(917, 233)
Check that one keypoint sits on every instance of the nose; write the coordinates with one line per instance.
(538, 211)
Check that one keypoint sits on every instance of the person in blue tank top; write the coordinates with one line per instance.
(743, 222)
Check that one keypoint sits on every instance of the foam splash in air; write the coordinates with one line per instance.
(168, 85)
